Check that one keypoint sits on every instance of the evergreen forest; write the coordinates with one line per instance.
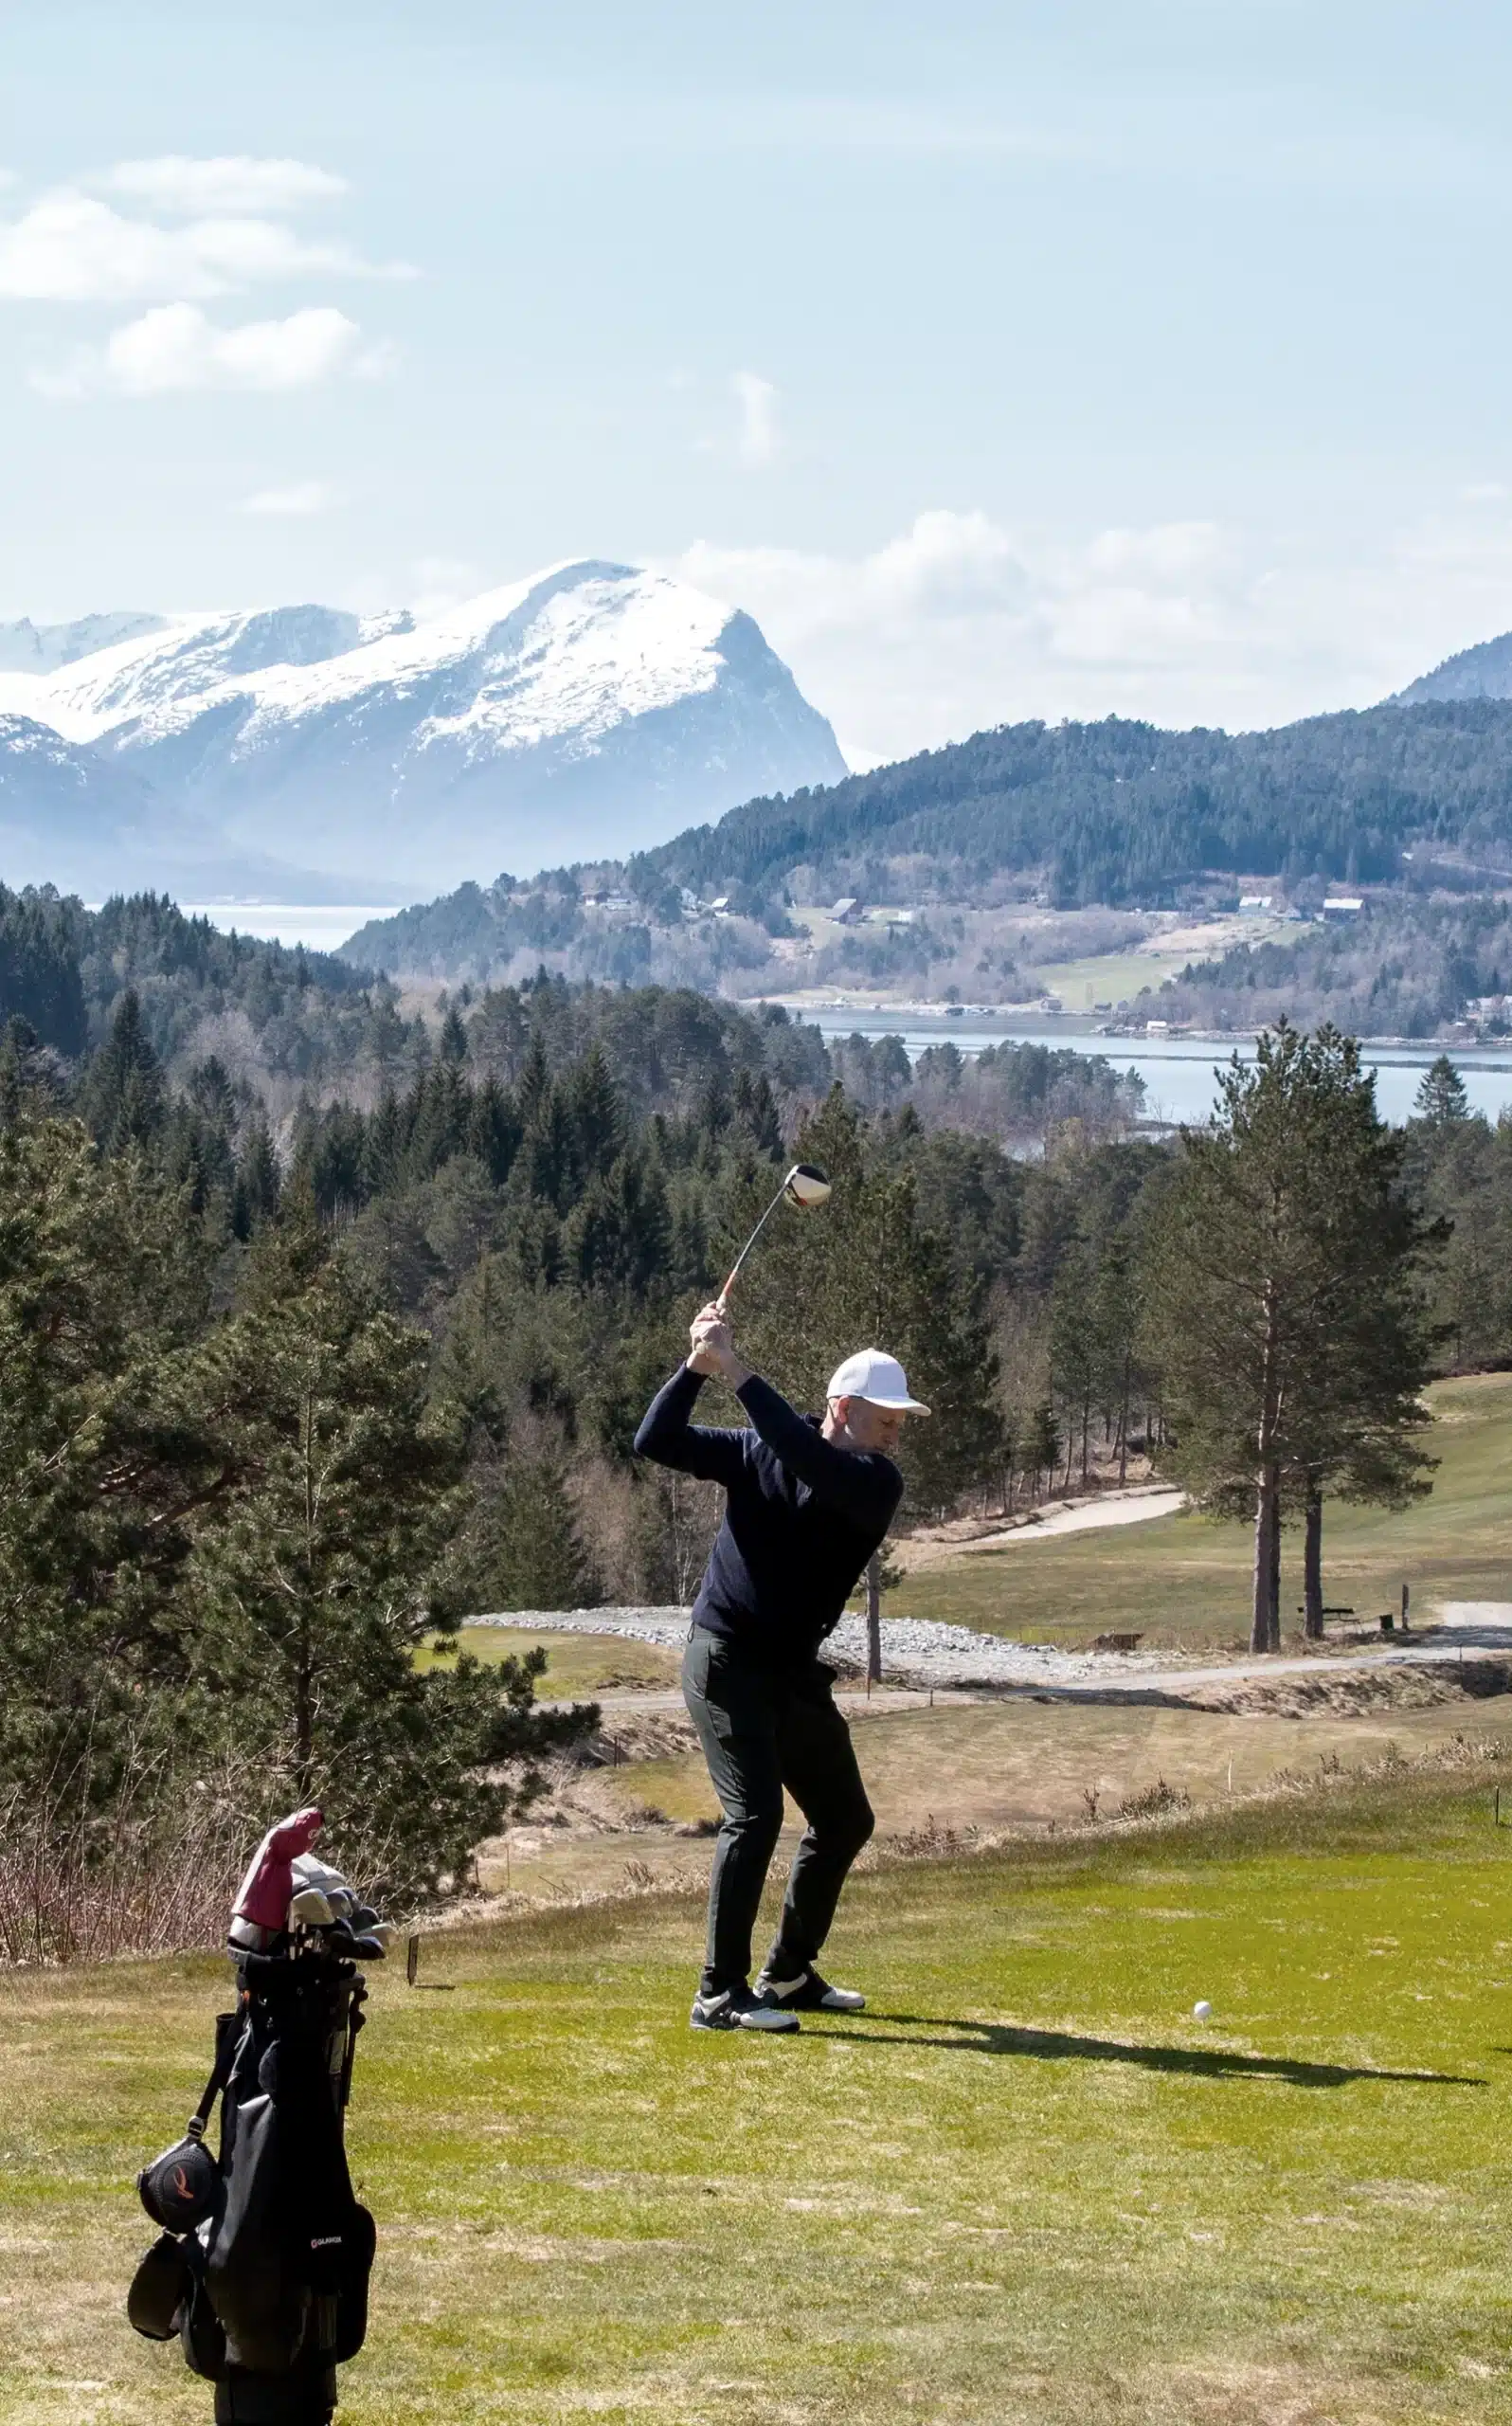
(328, 1321)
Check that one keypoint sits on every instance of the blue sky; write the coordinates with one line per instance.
(1004, 360)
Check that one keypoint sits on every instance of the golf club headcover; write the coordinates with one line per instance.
(262, 1898)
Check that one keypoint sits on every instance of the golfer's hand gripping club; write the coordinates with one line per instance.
(713, 1348)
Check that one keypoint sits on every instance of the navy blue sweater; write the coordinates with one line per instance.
(802, 1517)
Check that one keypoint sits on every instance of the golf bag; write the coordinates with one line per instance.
(262, 2269)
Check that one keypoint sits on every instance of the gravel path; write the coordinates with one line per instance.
(912, 1647)
(916, 1651)
(1136, 1506)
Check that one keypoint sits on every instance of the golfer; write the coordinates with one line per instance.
(807, 1501)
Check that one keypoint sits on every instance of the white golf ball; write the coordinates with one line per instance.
(1202, 2011)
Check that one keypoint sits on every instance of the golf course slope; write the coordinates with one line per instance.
(1025, 2186)
(1184, 1582)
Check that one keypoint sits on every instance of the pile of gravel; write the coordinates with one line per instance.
(912, 1648)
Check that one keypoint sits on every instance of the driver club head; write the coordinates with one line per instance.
(805, 1187)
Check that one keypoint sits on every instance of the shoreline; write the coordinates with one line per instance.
(1013, 1017)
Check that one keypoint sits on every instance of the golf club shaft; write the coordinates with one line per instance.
(722, 1296)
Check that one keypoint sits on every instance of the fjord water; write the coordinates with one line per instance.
(1177, 1070)
(319, 926)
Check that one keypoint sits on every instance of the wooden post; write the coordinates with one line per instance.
(873, 1619)
(1406, 1591)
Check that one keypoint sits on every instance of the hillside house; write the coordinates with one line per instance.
(847, 911)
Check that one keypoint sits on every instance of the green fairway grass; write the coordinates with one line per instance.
(1179, 1580)
(1025, 2189)
(576, 1664)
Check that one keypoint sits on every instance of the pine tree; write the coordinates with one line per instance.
(257, 1186)
(318, 1584)
(1283, 1272)
(524, 1549)
(1042, 1446)
(122, 1095)
(1076, 1349)
(1441, 1099)
(108, 1447)
(40, 976)
(493, 1130)
(467, 1377)
(597, 1122)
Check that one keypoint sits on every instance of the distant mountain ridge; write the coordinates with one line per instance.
(591, 709)
(1124, 812)
(1484, 672)
(27, 647)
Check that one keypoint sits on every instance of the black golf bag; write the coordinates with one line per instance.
(263, 2267)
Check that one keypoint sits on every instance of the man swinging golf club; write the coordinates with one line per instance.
(807, 1501)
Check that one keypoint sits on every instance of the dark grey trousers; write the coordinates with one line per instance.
(762, 1729)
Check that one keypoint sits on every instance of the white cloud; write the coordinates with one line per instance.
(441, 583)
(756, 442)
(956, 622)
(299, 498)
(71, 248)
(949, 564)
(235, 183)
(176, 347)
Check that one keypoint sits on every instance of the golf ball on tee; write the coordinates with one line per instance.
(1202, 2011)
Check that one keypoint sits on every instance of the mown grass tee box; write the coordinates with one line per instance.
(1025, 2186)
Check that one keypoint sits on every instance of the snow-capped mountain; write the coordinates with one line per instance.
(39, 648)
(75, 818)
(61, 807)
(593, 709)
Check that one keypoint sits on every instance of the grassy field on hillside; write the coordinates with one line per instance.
(1181, 1580)
(576, 1664)
(1020, 1763)
(1026, 2187)
(1109, 978)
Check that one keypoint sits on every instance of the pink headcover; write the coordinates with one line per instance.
(263, 1895)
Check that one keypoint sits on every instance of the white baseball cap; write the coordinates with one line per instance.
(874, 1375)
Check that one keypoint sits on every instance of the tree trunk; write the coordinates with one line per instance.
(1312, 1567)
(1266, 1538)
(304, 1714)
(1123, 1429)
(304, 1654)
(1265, 1612)
(873, 1618)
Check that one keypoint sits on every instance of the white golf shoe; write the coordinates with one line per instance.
(737, 2009)
(807, 1993)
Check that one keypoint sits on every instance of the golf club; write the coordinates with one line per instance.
(804, 1187)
